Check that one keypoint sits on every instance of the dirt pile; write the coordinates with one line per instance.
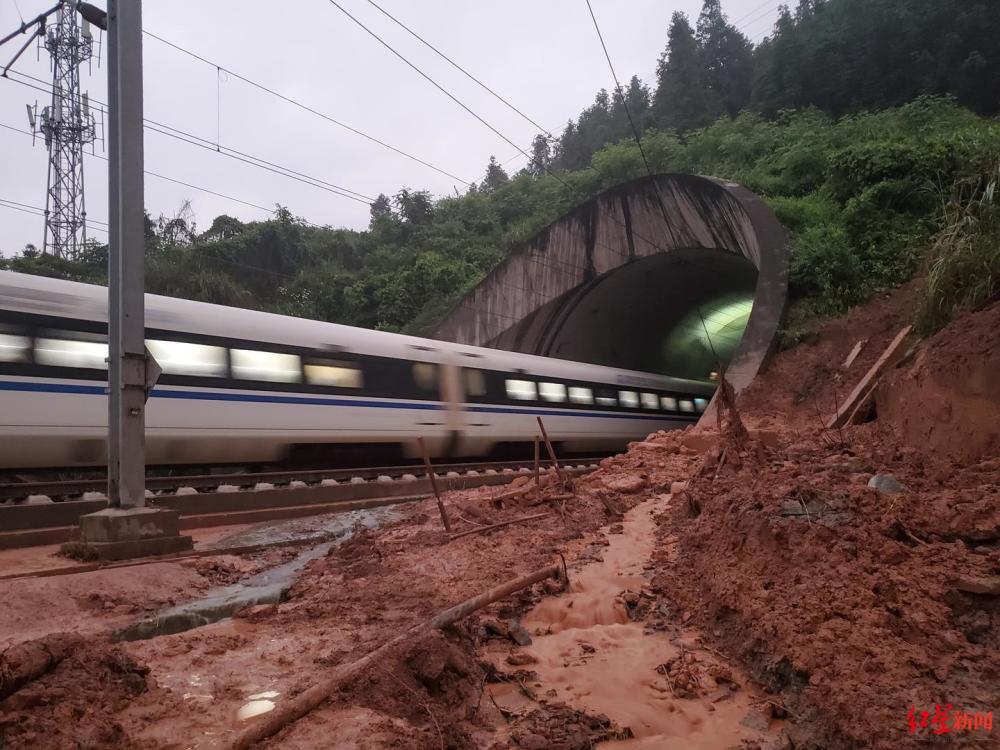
(75, 705)
(861, 607)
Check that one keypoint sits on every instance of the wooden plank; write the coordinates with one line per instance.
(862, 388)
(854, 354)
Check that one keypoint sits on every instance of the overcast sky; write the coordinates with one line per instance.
(542, 55)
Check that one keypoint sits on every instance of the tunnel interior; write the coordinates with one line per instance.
(677, 313)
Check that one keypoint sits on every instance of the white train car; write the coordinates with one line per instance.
(240, 386)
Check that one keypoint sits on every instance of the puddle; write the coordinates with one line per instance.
(266, 587)
(597, 660)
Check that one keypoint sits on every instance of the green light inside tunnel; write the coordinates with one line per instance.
(711, 331)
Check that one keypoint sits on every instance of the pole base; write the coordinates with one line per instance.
(122, 533)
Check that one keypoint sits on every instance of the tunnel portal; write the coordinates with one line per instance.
(670, 276)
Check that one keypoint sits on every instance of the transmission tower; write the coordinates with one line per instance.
(67, 126)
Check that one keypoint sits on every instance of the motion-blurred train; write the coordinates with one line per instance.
(247, 387)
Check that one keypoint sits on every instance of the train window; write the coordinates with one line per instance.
(606, 397)
(669, 403)
(686, 406)
(628, 399)
(425, 375)
(650, 401)
(580, 395)
(700, 404)
(475, 381)
(521, 390)
(91, 355)
(274, 367)
(14, 348)
(183, 358)
(336, 374)
(552, 391)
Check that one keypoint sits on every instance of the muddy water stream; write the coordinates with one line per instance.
(266, 587)
(598, 660)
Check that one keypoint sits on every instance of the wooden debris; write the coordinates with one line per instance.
(866, 383)
(854, 354)
(566, 480)
(25, 662)
(484, 529)
(434, 485)
(314, 696)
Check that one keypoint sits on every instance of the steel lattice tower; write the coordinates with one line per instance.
(67, 125)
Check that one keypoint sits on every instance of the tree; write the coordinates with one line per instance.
(495, 178)
(541, 156)
(682, 100)
(415, 206)
(727, 56)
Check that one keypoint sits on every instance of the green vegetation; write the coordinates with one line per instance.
(862, 122)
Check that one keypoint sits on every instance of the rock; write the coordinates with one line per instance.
(758, 717)
(224, 488)
(384, 479)
(518, 634)
(357, 480)
(408, 478)
(989, 586)
(519, 482)
(533, 741)
(259, 486)
(38, 500)
(495, 626)
(102, 496)
(630, 598)
(627, 484)
(676, 487)
(887, 484)
(520, 658)
(720, 695)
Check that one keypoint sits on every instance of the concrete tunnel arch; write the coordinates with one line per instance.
(616, 281)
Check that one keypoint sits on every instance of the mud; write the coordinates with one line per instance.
(726, 590)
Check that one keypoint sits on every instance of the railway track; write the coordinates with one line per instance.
(49, 512)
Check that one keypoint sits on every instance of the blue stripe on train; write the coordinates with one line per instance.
(98, 390)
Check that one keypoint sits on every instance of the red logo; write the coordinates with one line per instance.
(944, 720)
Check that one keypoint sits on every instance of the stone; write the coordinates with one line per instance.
(357, 480)
(518, 634)
(261, 486)
(383, 478)
(521, 658)
(532, 741)
(987, 585)
(227, 488)
(630, 598)
(328, 483)
(89, 496)
(409, 478)
(495, 626)
(297, 484)
(758, 717)
(887, 484)
(676, 487)
(38, 500)
(627, 484)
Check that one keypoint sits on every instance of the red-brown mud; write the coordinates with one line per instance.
(724, 589)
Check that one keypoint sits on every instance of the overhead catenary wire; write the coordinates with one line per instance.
(305, 107)
(455, 65)
(183, 183)
(210, 145)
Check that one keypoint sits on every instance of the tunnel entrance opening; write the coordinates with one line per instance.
(672, 314)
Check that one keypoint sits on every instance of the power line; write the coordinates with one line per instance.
(205, 143)
(434, 83)
(180, 182)
(304, 107)
(454, 64)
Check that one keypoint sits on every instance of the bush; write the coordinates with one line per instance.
(964, 260)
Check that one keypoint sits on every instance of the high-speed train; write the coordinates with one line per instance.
(241, 386)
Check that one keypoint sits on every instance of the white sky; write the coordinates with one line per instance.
(542, 55)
